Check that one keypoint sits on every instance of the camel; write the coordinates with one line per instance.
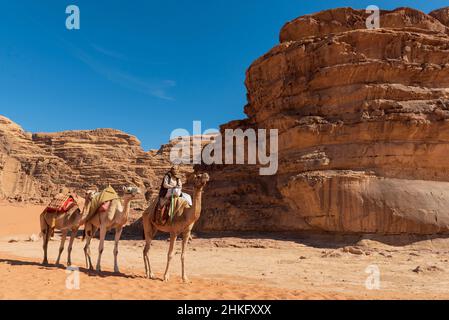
(182, 223)
(71, 220)
(114, 218)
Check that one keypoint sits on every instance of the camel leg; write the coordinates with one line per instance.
(149, 236)
(46, 239)
(69, 249)
(61, 246)
(118, 233)
(170, 255)
(185, 239)
(89, 234)
(101, 246)
(44, 231)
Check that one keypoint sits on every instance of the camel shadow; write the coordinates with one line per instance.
(90, 273)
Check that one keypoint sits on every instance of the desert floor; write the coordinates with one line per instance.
(226, 266)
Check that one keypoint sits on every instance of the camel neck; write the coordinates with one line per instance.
(126, 205)
(86, 209)
(197, 203)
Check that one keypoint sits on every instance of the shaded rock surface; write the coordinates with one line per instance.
(363, 119)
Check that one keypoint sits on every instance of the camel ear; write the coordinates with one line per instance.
(124, 188)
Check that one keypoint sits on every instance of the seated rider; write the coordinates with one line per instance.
(171, 185)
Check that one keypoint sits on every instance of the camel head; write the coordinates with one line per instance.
(200, 180)
(131, 192)
(90, 194)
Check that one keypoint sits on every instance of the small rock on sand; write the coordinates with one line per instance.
(330, 254)
(33, 238)
(430, 268)
(353, 250)
(418, 269)
(385, 255)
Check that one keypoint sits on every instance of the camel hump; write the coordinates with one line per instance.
(103, 200)
(179, 205)
(61, 203)
(163, 215)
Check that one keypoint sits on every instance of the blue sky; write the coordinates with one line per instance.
(144, 67)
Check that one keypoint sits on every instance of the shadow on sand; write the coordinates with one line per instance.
(90, 273)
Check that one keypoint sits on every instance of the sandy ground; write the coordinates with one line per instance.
(275, 266)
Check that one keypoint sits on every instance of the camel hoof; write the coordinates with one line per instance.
(150, 276)
(116, 271)
(166, 278)
(185, 280)
(45, 262)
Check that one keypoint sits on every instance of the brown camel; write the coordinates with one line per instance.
(114, 218)
(182, 223)
(72, 220)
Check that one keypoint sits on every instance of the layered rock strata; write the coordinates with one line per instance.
(363, 120)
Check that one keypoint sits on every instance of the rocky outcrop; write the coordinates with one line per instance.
(33, 167)
(325, 23)
(441, 15)
(27, 171)
(363, 119)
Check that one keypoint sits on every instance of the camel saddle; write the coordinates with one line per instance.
(61, 203)
(102, 201)
(161, 214)
(166, 213)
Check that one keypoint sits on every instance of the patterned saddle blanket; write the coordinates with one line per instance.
(61, 203)
(173, 207)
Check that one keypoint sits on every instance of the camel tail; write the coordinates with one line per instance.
(43, 224)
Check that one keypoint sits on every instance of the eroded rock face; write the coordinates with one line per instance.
(442, 15)
(33, 167)
(27, 171)
(363, 119)
(339, 20)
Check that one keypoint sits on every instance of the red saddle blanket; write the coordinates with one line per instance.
(61, 204)
(104, 206)
(161, 214)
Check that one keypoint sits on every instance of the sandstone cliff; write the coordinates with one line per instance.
(33, 167)
(363, 119)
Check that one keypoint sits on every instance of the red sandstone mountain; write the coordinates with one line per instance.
(35, 166)
(363, 119)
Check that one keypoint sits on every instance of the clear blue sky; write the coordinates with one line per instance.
(144, 67)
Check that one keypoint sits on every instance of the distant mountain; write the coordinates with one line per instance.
(33, 167)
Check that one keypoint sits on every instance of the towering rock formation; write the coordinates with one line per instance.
(363, 119)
